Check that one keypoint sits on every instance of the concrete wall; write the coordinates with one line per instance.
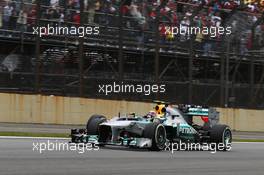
(18, 108)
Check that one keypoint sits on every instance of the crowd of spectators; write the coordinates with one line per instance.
(139, 15)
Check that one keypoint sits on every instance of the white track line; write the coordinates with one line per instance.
(249, 142)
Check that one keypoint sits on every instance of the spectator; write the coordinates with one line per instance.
(31, 20)
(61, 18)
(230, 4)
(22, 21)
(199, 36)
(91, 12)
(184, 25)
(252, 7)
(216, 19)
(1, 17)
(113, 11)
(77, 18)
(207, 47)
(13, 20)
(54, 3)
(6, 15)
(135, 13)
(104, 18)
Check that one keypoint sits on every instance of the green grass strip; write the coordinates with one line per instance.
(28, 134)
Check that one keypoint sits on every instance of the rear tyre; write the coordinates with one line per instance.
(157, 133)
(221, 134)
(93, 123)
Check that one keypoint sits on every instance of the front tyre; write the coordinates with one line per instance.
(157, 133)
(93, 123)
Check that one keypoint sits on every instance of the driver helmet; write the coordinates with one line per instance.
(160, 110)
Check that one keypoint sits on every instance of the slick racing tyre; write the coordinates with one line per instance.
(157, 133)
(93, 123)
(221, 134)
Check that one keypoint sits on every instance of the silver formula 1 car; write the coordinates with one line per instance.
(163, 125)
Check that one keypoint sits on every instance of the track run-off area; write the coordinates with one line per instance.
(19, 157)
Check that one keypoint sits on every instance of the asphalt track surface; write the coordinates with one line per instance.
(17, 157)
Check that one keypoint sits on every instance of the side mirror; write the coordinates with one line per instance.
(174, 116)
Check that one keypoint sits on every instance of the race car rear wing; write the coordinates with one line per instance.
(194, 111)
(202, 111)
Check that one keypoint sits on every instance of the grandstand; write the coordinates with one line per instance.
(133, 47)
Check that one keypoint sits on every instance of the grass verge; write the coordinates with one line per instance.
(28, 134)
